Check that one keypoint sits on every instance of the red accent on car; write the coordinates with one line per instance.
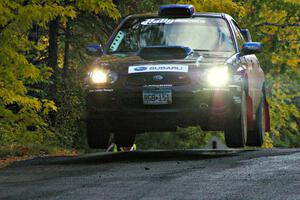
(267, 116)
(249, 113)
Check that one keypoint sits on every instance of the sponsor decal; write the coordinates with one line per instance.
(189, 21)
(140, 69)
(102, 90)
(157, 21)
(117, 41)
(158, 68)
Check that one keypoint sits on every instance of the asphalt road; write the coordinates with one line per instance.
(192, 174)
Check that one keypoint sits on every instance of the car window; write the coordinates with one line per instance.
(200, 33)
(239, 37)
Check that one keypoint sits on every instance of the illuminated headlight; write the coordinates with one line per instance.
(99, 76)
(218, 76)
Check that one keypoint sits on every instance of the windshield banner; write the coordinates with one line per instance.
(158, 21)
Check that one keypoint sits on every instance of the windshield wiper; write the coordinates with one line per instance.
(203, 50)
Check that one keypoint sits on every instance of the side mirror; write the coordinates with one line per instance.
(251, 48)
(246, 34)
(94, 50)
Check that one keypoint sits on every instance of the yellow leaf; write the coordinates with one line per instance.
(268, 142)
(293, 63)
(275, 59)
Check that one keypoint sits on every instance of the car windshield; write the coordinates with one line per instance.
(200, 34)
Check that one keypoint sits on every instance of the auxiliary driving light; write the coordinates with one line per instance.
(218, 76)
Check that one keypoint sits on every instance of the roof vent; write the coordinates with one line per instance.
(176, 10)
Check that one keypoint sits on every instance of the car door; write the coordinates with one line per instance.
(254, 73)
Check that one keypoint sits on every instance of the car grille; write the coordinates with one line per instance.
(175, 79)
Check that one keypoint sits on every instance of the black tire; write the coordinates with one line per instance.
(255, 137)
(96, 138)
(236, 126)
(124, 139)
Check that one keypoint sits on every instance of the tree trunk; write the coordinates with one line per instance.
(53, 63)
(53, 54)
(67, 50)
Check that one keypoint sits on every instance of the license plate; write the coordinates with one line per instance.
(157, 95)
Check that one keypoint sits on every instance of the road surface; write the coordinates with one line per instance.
(149, 175)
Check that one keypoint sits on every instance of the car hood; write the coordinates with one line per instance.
(121, 62)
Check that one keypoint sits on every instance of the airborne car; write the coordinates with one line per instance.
(175, 69)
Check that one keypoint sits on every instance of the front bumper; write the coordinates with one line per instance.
(123, 109)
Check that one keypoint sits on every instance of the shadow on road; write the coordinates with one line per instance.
(138, 156)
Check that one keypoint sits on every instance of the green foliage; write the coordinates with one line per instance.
(285, 114)
(71, 113)
(183, 138)
(69, 120)
(19, 110)
(141, 6)
(99, 6)
(276, 25)
(24, 106)
(225, 6)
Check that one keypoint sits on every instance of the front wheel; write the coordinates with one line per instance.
(236, 124)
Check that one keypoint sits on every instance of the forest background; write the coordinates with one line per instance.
(43, 64)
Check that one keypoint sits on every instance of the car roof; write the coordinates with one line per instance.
(197, 14)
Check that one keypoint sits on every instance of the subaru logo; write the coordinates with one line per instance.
(140, 69)
(158, 78)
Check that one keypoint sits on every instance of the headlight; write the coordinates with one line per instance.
(99, 76)
(218, 76)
